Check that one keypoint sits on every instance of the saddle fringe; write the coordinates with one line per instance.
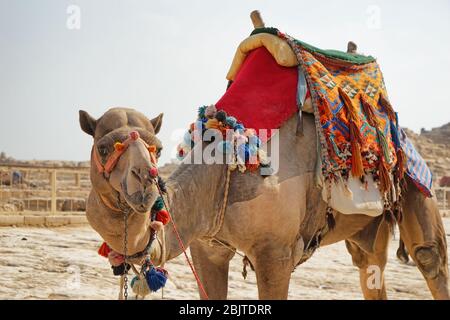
(355, 134)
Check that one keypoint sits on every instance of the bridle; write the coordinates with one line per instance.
(119, 149)
(106, 169)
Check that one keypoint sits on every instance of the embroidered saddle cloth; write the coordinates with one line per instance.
(358, 130)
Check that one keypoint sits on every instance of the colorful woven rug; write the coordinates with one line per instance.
(357, 126)
(416, 167)
(356, 121)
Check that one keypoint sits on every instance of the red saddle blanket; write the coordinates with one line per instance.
(261, 87)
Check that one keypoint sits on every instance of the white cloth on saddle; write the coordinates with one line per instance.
(352, 197)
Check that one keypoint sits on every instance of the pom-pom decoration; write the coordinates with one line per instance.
(153, 172)
(140, 287)
(151, 148)
(246, 140)
(201, 112)
(212, 124)
(221, 116)
(162, 185)
(231, 121)
(239, 128)
(163, 216)
(158, 205)
(119, 146)
(104, 250)
(134, 135)
(210, 111)
(156, 278)
(182, 151)
(250, 133)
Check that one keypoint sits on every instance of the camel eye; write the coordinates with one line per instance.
(103, 151)
(158, 152)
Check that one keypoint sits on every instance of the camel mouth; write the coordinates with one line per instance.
(140, 202)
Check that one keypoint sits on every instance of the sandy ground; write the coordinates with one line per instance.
(62, 263)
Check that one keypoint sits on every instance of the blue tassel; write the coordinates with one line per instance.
(156, 279)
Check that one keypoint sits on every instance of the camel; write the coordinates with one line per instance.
(277, 221)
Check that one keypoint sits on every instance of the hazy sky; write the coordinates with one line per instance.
(172, 56)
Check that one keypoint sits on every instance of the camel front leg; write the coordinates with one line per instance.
(422, 231)
(212, 265)
(371, 264)
(273, 272)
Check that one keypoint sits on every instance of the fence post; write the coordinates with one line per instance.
(77, 179)
(445, 198)
(53, 185)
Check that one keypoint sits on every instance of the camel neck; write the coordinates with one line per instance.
(195, 193)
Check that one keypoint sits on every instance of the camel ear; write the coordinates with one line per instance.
(157, 122)
(87, 123)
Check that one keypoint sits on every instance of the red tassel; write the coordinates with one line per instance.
(104, 250)
(163, 216)
(385, 180)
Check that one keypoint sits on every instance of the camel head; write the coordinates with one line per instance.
(123, 158)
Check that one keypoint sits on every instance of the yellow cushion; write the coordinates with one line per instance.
(279, 49)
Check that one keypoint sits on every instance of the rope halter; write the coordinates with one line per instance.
(119, 149)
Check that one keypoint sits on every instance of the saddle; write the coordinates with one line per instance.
(363, 151)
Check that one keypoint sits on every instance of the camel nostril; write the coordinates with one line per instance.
(136, 173)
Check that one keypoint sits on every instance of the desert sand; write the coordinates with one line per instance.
(62, 263)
